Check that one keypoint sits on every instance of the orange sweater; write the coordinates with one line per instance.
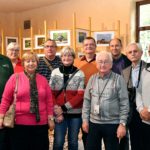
(89, 68)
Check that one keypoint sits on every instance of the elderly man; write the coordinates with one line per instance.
(132, 76)
(143, 106)
(50, 61)
(105, 107)
(6, 69)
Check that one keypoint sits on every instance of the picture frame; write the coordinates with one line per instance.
(62, 37)
(39, 41)
(10, 39)
(81, 34)
(26, 43)
(103, 38)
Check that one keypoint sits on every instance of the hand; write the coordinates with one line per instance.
(144, 114)
(59, 118)
(57, 110)
(121, 131)
(85, 126)
(51, 125)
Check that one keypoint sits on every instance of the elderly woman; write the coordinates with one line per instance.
(105, 107)
(13, 54)
(34, 107)
(68, 101)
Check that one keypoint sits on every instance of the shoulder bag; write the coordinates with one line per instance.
(9, 118)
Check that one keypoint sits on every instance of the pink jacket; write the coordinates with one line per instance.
(23, 115)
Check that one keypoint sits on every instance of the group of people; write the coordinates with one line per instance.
(104, 94)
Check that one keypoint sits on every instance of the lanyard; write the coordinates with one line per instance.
(103, 88)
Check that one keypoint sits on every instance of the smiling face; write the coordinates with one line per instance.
(13, 54)
(50, 49)
(89, 46)
(115, 47)
(30, 62)
(104, 63)
(67, 59)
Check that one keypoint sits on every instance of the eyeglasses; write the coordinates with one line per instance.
(103, 62)
(14, 50)
(49, 46)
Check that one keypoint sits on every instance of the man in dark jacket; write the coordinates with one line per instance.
(132, 76)
(6, 69)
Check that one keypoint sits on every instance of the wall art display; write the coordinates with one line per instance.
(26, 43)
(39, 41)
(81, 34)
(11, 39)
(103, 38)
(62, 37)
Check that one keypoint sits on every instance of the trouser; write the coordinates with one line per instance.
(84, 139)
(107, 132)
(25, 137)
(135, 130)
(145, 136)
(5, 139)
(73, 126)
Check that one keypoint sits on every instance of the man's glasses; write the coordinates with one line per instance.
(49, 46)
(14, 50)
(103, 62)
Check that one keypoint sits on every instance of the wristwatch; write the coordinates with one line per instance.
(51, 118)
(123, 124)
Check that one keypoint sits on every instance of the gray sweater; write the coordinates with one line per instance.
(113, 102)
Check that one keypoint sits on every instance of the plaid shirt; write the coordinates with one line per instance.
(44, 70)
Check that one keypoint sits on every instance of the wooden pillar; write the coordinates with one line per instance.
(31, 35)
(74, 31)
(118, 28)
(45, 29)
(20, 43)
(90, 27)
(2, 43)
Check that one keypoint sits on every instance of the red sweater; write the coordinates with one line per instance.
(23, 115)
(72, 97)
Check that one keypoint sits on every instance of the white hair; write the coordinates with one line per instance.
(13, 45)
(138, 45)
(104, 53)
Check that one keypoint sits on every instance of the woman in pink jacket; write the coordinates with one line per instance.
(34, 107)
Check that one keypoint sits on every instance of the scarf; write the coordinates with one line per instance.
(34, 105)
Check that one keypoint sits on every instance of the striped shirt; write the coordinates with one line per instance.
(44, 70)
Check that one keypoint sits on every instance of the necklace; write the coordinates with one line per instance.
(67, 71)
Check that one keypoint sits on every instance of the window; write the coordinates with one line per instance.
(143, 25)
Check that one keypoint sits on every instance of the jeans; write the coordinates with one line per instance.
(73, 125)
(107, 132)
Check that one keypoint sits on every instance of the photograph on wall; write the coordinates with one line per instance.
(62, 37)
(81, 34)
(26, 43)
(103, 38)
(11, 39)
(39, 41)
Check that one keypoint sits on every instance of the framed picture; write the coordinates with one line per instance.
(62, 37)
(103, 38)
(11, 39)
(26, 43)
(81, 34)
(39, 41)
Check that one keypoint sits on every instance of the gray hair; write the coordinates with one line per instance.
(138, 45)
(105, 53)
(13, 45)
(67, 50)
